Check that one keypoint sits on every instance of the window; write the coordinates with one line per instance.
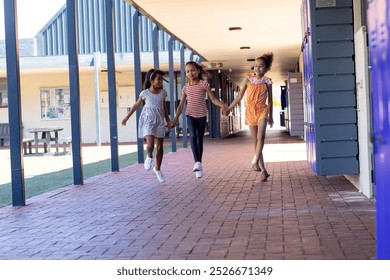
(55, 103)
(3, 99)
(3, 94)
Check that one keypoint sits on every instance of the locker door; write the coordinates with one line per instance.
(379, 51)
(330, 96)
(308, 82)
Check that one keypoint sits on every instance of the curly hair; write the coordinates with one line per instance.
(268, 58)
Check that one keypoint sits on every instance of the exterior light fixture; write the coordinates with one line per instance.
(212, 64)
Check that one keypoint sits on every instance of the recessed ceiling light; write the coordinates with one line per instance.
(245, 48)
(234, 28)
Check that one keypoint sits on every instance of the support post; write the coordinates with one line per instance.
(137, 78)
(97, 64)
(112, 86)
(14, 103)
(155, 43)
(183, 83)
(74, 81)
(171, 91)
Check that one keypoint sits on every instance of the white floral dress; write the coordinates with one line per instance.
(151, 121)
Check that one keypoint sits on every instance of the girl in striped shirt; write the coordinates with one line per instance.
(196, 111)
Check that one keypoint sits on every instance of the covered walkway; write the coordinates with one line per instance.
(227, 214)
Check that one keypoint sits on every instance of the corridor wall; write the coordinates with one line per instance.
(329, 87)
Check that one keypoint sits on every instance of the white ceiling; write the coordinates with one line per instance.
(203, 26)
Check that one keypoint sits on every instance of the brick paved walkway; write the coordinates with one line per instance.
(227, 214)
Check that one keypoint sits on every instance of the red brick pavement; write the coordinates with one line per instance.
(227, 214)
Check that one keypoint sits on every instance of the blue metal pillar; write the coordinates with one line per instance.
(379, 31)
(74, 81)
(112, 85)
(171, 91)
(192, 56)
(183, 83)
(137, 77)
(14, 105)
(155, 43)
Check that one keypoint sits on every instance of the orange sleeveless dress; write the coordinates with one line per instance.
(256, 99)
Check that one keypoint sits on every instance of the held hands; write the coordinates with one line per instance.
(172, 123)
(225, 110)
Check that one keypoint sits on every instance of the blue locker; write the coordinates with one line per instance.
(379, 45)
(329, 87)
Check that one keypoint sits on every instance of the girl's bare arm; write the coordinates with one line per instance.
(132, 110)
(240, 94)
(213, 99)
(166, 115)
(179, 109)
(270, 106)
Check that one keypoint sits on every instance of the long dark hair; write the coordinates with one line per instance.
(150, 76)
(203, 74)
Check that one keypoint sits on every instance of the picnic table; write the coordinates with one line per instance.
(46, 135)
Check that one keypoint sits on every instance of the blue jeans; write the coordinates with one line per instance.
(196, 128)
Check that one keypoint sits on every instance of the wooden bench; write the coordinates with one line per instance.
(66, 144)
(4, 132)
(27, 144)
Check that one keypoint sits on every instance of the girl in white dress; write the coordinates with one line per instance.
(151, 122)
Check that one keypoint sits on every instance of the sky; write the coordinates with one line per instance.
(32, 16)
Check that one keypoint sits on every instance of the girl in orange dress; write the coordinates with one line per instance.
(259, 108)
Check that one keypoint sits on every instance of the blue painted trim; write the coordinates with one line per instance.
(137, 78)
(112, 85)
(74, 82)
(172, 91)
(14, 104)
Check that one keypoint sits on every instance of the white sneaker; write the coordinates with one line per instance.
(197, 166)
(148, 163)
(160, 176)
(199, 174)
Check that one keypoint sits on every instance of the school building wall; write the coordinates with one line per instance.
(32, 83)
